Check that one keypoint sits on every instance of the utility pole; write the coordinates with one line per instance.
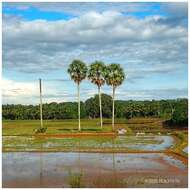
(41, 117)
(41, 126)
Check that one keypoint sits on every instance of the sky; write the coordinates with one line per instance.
(40, 40)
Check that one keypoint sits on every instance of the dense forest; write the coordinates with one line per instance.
(176, 111)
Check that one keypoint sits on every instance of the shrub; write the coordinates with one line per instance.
(40, 130)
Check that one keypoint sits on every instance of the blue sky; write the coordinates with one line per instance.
(40, 40)
(32, 12)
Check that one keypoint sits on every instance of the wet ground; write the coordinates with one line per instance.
(32, 143)
(63, 169)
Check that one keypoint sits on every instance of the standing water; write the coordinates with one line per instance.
(92, 170)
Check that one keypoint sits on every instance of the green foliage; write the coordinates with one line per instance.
(75, 180)
(96, 73)
(180, 114)
(177, 109)
(92, 106)
(114, 75)
(78, 71)
(167, 108)
(40, 130)
(52, 111)
(180, 135)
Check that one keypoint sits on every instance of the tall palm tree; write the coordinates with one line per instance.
(114, 77)
(78, 71)
(95, 75)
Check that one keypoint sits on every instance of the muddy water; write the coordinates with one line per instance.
(92, 170)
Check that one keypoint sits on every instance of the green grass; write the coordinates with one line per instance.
(182, 142)
(27, 127)
(75, 180)
(28, 140)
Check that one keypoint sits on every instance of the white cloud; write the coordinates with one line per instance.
(11, 88)
(18, 92)
(14, 92)
(40, 45)
(156, 94)
(89, 29)
(147, 46)
(28, 93)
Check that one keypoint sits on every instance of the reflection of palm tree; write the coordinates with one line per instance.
(99, 169)
(75, 177)
(41, 166)
(114, 167)
(96, 76)
(114, 76)
(79, 152)
(78, 70)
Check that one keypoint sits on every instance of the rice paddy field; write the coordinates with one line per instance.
(148, 155)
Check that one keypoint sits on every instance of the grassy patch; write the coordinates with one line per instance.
(182, 142)
(28, 127)
(75, 180)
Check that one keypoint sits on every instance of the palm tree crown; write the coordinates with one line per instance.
(114, 75)
(96, 72)
(77, 70)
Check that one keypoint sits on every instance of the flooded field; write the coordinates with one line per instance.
(32, 143)
(92, 170)
(65, 167)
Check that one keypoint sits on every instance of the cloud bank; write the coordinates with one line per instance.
(150, 46)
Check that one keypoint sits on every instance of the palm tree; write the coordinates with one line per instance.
(114, 77)
(78, 70)
(95, 75)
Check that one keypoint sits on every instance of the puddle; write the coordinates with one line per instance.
(63, 169)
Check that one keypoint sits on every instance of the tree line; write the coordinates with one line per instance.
(175, 111)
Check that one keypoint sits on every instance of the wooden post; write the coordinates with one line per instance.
(41, 116)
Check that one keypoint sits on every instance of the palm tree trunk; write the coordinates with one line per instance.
(100, 104)
(113, 107)
(78, 106)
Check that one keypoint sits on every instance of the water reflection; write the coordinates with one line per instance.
(83, 169)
